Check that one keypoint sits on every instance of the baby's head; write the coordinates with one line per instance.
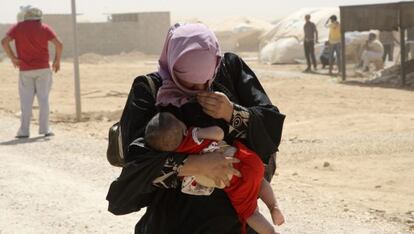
(164, 132)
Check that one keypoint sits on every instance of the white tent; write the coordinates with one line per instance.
(284, 43)
(240, 33)
(241, 24)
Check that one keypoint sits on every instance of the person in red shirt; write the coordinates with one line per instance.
(164, 132)
(31, 38)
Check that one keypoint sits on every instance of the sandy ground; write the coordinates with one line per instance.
(345, 162)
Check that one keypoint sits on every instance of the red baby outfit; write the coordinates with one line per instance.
(243, 191)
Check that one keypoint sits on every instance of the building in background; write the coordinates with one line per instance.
(126, 32)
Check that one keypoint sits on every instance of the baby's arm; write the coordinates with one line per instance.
(211, 133)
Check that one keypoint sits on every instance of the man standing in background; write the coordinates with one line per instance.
(31, 38)
(311, 37)
(335, 42)
(410, 43)
(325, 54)
(387, 40)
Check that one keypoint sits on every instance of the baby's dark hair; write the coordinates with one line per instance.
(164, 132)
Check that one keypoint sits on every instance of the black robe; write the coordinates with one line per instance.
(170, 210)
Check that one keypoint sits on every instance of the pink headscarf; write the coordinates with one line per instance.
(191, 53)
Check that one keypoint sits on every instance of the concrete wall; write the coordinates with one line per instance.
(109, 38)
(146, 35)
(153, 30)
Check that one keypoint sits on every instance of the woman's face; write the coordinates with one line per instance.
(192, 86)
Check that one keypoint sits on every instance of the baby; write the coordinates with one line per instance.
(165, 132)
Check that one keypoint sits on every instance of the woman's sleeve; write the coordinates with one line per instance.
(238, 125)
(146, 171)
(255, 114)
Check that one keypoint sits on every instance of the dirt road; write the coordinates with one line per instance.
(58, 185)
(345, 162)
(55, 185)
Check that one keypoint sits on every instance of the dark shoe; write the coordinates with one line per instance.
(307, 70)
(49, 134)
(21, 137)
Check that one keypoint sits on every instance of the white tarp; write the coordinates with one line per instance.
(241, 24)
(240, 33)
(284, 50)
(284, 43)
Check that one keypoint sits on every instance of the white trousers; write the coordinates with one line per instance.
(370, 56)
(34, 82)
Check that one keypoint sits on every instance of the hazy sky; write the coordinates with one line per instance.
(209, 10)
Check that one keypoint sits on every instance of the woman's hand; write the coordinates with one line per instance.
(213, 165)
(216, 105)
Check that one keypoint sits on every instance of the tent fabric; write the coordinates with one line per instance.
(241, 24)
(407, 16)
(240, 33)
(385, 17)
(362, 18)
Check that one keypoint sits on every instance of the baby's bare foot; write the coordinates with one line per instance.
(277, 216)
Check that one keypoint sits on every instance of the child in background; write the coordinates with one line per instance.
(325, 53)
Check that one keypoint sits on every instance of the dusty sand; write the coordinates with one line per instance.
(345, 163)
